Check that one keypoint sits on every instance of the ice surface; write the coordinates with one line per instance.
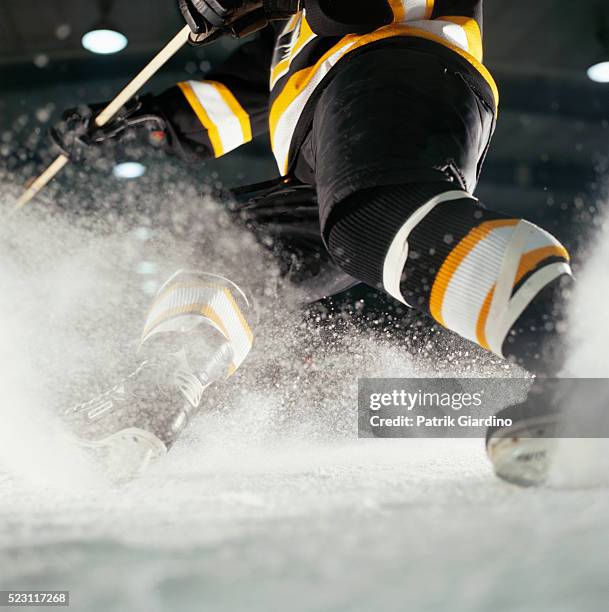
(270, 502)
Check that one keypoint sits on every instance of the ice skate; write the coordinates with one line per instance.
(196, 334)
(522, 453)
(138, 419)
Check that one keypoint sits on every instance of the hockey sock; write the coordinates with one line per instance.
(190, 301)
(492, 279)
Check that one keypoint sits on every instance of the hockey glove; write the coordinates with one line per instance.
(78, 137)
(236, 17)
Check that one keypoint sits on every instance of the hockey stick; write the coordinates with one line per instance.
(174, 45)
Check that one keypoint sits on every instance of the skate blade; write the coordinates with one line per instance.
(525, 462)
(124, 455)
(524, 453)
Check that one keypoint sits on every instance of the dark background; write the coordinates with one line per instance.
(549, 155)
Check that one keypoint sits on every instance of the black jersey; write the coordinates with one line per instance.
(272, 82)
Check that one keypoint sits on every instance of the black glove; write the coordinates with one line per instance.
(81, 140)
(238, 17)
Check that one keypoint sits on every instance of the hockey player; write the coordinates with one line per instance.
(380, 114)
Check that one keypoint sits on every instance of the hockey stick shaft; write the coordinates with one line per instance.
(174, 45)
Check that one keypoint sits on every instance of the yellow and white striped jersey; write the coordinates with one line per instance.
(272, 83)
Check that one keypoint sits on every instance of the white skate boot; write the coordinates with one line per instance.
(196, 334)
